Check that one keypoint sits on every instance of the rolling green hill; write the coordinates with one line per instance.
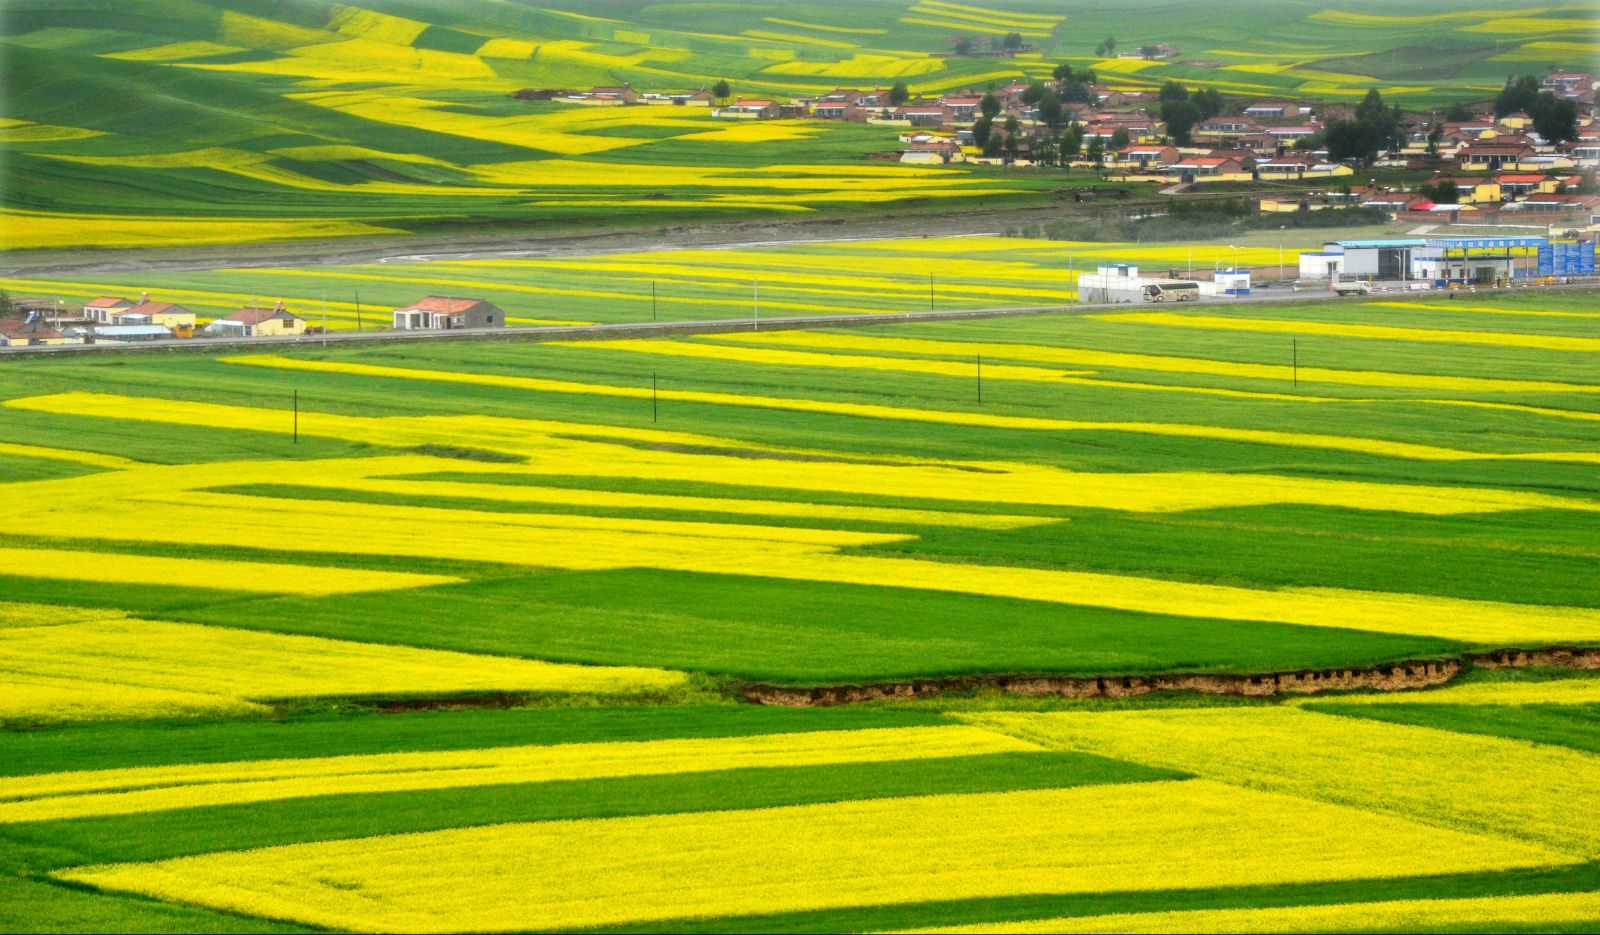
(317, 119)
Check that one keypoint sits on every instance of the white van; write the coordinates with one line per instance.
(1172, 292)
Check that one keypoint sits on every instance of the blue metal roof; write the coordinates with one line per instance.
(1486, 243)
(1380, 243)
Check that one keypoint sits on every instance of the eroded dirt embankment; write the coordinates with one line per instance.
(1397, 676)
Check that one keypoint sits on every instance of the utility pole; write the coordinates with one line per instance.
(358, 310)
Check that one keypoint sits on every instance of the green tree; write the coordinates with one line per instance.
(1435, 136)
(899, 94)
(1518, 94)
(989, 106)
(1072, 140)
(1033, 93)
(982, 129)
(1171, 92)
(1355, 141)
(962, 44)
(1012, 42)
(1554, 120)
(6, 306)
(1110, 45)
(1180, 117)
(720, 90)
(1444, 192)
(1210, 102)
(1119, 138)
(1050, 112)
(1458, 113)
(1096, 150)
(1062, 72)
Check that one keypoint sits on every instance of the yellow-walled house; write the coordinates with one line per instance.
(175, 318)
(1477, 191)
(251, 322)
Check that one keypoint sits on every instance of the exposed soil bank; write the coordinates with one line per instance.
(1398, 676)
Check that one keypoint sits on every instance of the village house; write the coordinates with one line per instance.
(1492, 157)
(104, 308)
(830, 110)
(1294, 168)
(748, 110)
(442, 313)
(614, 96)
(1209, 169)
(1222, 127)
(1275, 111)
(1477, 190)
(176, 319)
(1546, 203)
(963, 106)
(1289, 135)
(28, 332)
(253, 322)
(941, 151)
(1569, 84)
(1145, 157)
(1517, 185)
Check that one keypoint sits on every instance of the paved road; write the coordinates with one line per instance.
(625, 329)
(1269, 296)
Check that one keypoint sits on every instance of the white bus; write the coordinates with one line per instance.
(1172, 292)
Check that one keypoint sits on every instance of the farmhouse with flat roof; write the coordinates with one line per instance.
(440, 313)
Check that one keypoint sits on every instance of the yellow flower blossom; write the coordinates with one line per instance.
(645, 869)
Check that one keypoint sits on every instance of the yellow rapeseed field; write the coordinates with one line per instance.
(1351, 330)
(22, 230)
(1538, 793)
(163, 505)
(1077, 357)
(226, 574)
(1551, 909)
(1383, 447)
(52, 796)
(577, 874)
(116, 667)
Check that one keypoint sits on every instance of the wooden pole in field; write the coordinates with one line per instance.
(358, 310)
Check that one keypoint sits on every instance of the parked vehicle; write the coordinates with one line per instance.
(1172, 292)
(1353, 287)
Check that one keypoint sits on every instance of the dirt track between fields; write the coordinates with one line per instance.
(1398, 676)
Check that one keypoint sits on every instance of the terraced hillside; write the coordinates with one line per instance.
(141, 122)
(457, 637)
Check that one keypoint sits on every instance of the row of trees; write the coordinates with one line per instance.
(1554, 119)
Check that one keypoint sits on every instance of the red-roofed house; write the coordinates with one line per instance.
(1210, 169)
(961, 106)
(439, 313)
(252, 322)
(105, 308)
(16, 332)
(1514, 185)
(177, 319)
